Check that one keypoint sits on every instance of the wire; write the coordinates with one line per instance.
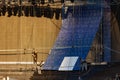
(116, 51)
(56, 25)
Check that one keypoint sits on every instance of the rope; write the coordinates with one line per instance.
(31, 37)
(6, 44)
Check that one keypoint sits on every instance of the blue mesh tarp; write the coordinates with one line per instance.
(75, 37)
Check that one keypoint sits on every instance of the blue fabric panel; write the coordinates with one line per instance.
(76, 35)
(55, 58)
(107, 34)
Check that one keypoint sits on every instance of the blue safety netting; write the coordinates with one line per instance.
(79, 27)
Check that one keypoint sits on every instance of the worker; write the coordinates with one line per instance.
(83, 65)
(15, 10)
(26, 10)
(20, 11)
(42, 63)
(34, 54)
(9, 9)
(39, 67)
(57, 13)
(117, 77)
(3, 9)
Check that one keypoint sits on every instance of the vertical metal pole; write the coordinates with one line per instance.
(101, 33)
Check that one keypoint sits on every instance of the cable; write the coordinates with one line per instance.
(31, 38)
